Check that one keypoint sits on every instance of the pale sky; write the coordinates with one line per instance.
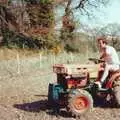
(103, 16)
(113, 12)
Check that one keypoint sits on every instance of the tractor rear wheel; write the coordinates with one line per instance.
(79, 102)
(116, 90)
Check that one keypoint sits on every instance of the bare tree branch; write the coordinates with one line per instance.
(67, 9)
(81, 4)
(91, 4)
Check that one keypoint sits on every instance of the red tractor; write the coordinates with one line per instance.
(76, 89)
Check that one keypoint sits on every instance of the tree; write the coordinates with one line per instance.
(112, 32)
(82, 5)
(33, 19)
(68, 22)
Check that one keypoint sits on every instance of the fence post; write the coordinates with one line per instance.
(51, 59)
(18, 63)
(40, 59)
(87, 52)
(54, 59)
(71, 57)
(64, 57)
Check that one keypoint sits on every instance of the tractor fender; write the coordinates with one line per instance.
(114, 77)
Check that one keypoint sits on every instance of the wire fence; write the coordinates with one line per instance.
(39, 62)
(35, 71)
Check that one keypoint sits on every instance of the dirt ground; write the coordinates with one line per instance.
(24, 97)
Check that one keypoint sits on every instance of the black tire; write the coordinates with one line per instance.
(116, 90)
(79, 102)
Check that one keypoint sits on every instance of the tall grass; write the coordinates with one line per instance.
(40, 61)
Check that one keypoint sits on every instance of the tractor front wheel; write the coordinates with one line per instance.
(79, 102)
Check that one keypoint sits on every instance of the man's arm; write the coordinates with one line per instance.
(102, 55)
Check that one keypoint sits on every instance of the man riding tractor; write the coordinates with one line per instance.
(108, 78)
(75, 89)
(111, 60)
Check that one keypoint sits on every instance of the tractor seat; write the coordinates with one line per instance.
(114, 71)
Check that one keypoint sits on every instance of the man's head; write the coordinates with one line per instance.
(102, 42)
(103, 39)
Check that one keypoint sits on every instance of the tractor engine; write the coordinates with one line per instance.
(71, 76)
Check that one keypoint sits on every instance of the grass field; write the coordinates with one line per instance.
(24, 85)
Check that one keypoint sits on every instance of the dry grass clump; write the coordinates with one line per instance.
(9, 54)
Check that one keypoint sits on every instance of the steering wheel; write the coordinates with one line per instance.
(96, 60)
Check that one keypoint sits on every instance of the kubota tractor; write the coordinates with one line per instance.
(76, 89)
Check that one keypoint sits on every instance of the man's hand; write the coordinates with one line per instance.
(98, 83)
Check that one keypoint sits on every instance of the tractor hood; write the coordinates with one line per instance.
(77, 69)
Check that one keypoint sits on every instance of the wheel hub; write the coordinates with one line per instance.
(80, 103)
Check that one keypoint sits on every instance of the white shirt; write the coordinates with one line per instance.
(113, 56)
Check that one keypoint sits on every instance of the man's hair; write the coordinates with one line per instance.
(102, 39)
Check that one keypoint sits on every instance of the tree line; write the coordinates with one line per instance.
(30, 24)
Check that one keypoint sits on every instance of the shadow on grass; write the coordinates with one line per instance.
(41, 105)
(36, 106)
(102, 103)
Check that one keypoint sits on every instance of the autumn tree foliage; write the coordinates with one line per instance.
(68, 22)
(31, 21)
